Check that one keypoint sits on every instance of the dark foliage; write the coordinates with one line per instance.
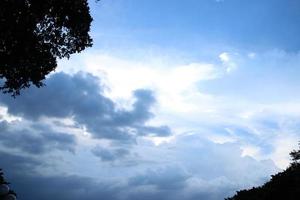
(282, 186)
(295, 155)
(3, 181)
(34, 33)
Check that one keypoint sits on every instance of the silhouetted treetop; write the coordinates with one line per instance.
(33, 33)
(295, 155)
(282, 186)
(5, 192)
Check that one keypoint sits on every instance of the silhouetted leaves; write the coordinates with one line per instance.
(33, 33)
(5, 183)
(295, 155)
(282, 186)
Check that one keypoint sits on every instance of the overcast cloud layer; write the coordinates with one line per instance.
(41, 148)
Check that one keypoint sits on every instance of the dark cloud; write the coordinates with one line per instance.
(160, 184)
(29, 184)
(16, 164)
(80, 97)
(107, 155)
(169, 178)
(63, 188)
(34, 140)
(195, 169)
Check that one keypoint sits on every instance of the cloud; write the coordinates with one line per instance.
(211, 160)
(168, 178)
(259, 77)
(17, 164)
(108, 155)
(151, 130)
(228, 62)
(31, 184)
(224, 57)
(80, 97)
(190, 168)
(34, 140)
(169, 79)
(230, 139)
(199, 96)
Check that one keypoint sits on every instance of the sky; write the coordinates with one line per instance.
(188, 100)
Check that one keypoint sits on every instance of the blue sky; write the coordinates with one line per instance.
(175, 100)
(193, 24)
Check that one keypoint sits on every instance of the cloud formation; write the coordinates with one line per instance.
(190, 168)
(108, 155)
(34, 139)
(80, 97)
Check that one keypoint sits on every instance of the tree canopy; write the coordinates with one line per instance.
(5, 192)
(282, 186)
(34, 33)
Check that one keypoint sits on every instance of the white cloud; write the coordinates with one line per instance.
(224, 57)
(175, 84)
(186, 108)
(228, 61)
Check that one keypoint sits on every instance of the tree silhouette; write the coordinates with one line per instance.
(282, 186)
(5, 192)
(34, 33)
(295, 155)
